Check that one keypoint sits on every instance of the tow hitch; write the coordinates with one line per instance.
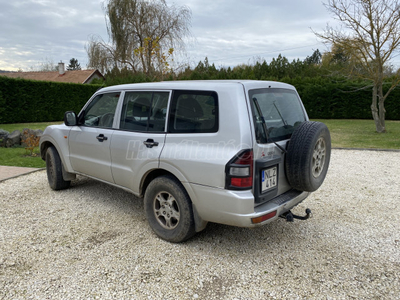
(289, 216)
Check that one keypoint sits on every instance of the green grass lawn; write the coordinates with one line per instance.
(18, 156)
(21, 126)
(362, 134)
(344, 133)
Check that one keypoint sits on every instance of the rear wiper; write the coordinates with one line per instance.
(283, 120)
(264, 125)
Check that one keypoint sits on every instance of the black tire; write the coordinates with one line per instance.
(308, 156)
(169, 210)
(54, 170)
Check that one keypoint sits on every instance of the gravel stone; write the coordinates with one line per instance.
(92, 241)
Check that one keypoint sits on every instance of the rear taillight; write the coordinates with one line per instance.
(239, 171)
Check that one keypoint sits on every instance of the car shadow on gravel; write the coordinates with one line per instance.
(272, 235)
(113, 197)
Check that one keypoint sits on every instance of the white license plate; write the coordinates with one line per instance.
(269, 179)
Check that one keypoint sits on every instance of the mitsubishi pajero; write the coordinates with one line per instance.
(234, 152)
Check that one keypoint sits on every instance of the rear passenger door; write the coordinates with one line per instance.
(137, 144)
(192, 147)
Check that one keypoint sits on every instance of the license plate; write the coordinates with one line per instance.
(269, 179)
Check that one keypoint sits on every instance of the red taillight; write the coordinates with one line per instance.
(239, 171)
(242, 182)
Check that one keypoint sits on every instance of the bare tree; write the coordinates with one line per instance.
(143, 35)
(100, 55)
(370, 36)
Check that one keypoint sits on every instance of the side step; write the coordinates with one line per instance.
(289, 216)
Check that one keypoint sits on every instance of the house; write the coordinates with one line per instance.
(76, 76)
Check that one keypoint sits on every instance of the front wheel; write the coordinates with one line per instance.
(169, 210)
(54, 170)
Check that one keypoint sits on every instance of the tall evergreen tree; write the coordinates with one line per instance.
(73, 65)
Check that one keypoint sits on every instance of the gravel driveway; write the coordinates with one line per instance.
(93, 242)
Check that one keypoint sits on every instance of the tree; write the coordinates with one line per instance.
(368, 41)
(279, 67)
(143, 36)
(370, 37)
(46, 65)
(73, 65)
(314, 59)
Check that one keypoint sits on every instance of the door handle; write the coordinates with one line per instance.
(101, 138)
(150, 143)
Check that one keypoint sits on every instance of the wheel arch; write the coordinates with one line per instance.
(151, 175)
(43, 148)
(200, 224)
(49, 142)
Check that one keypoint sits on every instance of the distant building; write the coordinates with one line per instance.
(77, 76)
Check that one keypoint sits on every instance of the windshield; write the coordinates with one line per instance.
(277, 112)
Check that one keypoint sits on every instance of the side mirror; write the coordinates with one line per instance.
(70, 118)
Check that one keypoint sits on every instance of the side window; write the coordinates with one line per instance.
(144, 111)
(193, 112)
(100, 112)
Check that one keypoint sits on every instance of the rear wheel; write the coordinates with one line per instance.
(308, 156)
(169, 210)
(54, 170)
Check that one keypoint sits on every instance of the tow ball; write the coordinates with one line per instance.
(289, 216)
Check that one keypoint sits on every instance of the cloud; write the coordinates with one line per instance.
(228, 32)
(46, 30)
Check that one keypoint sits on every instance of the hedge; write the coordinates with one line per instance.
(25, 101)
(39, 101)
(324, 99)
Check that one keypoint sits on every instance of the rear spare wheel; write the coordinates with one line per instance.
(308, 156)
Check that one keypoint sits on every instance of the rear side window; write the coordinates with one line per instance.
(193, 112)
(144, 111)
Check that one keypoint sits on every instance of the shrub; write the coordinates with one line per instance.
(30, 140)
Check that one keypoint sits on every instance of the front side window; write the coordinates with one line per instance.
(144, 111)
(101, 110)
(193, 112)
(276, 112)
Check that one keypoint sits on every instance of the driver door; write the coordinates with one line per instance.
(89, 143)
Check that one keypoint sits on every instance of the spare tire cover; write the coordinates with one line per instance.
(308, 156)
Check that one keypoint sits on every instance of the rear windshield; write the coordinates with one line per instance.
(276, 112)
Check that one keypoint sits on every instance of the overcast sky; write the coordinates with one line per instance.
(228, 32)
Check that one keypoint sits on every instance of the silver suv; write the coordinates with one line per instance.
(240, 153)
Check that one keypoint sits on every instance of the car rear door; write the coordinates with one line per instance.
(137, 144)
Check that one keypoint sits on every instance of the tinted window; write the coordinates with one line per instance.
(101, 110)
(193, 112)
(277, 112)
(144, 111)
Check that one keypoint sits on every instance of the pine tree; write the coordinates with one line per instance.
(73, 65)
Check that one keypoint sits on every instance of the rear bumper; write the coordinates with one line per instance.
(237, 208)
